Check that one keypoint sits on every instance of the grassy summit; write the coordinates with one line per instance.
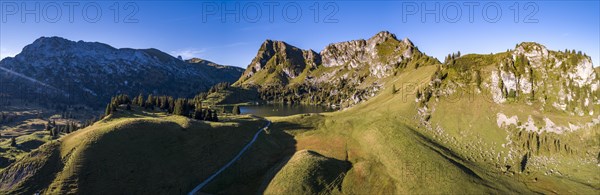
(135, 152)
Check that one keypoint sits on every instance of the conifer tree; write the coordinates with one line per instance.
(207, 115)
(236, 110)
(13, 142)
(52, 132)
(181, 107)
(171, 104)
(197, 114)
(140, 100)
(109, 110)
(215, 118)
(150, 102)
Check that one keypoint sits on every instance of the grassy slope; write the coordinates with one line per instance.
(25, 144)
(470, 126)
(313, 172)
(146, 153)
(390, 152)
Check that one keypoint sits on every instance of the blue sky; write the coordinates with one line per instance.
(198, 28)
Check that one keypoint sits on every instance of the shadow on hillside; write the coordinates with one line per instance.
(30, 145)
(4, 162)
(257, 167)
(40, 172)
(449, 155)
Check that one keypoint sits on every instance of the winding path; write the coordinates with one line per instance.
(237, 157)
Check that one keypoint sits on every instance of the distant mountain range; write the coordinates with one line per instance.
(91, 72)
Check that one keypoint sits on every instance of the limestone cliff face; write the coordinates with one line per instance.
(280, 61)
(376, 55)
(565, 81)
(361, 64)
(530, 75)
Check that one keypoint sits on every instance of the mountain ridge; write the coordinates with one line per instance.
(368, 63)
(95, 71)
(353, 70)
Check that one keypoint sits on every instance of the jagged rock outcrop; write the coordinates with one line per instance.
(379, 53)
(279, 62)
(529, 75)
(347, 65)
(563, 80)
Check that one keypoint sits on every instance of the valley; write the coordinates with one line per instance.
(374, 116)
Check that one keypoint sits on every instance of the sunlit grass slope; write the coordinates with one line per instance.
(131, 153)
(392, 151)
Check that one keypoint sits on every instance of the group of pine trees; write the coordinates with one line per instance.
(55, 129)
(219, 87)
(191, 108)
(117, 101)
(451, 57)
(326, 94)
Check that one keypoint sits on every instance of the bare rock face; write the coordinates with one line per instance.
(377, 55)
(312, 58)
(351, 53)
(533, 51)
(282, 59)
(583, 74)
(347, 64)
(533, 75)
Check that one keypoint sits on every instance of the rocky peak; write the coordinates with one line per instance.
(270, 48)
(377, 52)
(530, 46)
(382, 37)
(534, 52)
(195, 60)
(51, 40)
(47, 44)
(45, 47)
(274, 46)
(531, 50)
(312, 58)
(377, 55)
(282, 59)
(579, 68)
(407, 42)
